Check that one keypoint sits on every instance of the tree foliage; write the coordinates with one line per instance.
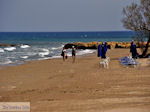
(137, 18)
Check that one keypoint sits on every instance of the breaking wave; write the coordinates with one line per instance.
(10, 48)
(24, 46)
(2, 50)
(44, 53)
(55, 48)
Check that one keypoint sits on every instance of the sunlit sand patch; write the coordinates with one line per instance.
(144, 62)
(117, 87)
(8, 88)
(100, 83)
(128, 110)
(60, 71)
(126, 100)
(136, 92)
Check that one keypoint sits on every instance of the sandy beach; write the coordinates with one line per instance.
(56, 86)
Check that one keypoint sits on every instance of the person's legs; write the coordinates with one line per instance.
(73, 57)
(134, 55)
(104, 56)
(66, 57)
(63, 57)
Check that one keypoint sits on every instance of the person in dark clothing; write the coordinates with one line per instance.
(102, 49)
(73, 53)
(133, 50)
(64, 54)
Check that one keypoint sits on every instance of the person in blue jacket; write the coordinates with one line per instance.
(102, 49)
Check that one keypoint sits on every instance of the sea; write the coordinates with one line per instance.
(48, 45)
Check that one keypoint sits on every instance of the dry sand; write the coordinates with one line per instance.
(57, 86)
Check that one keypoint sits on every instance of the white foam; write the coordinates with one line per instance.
(82, 52)
(24, 46)
(55, 48)
(1, 50)
(6, 62)
(46, 52)
(53, 57)
(42, 54)
(10, 48)
(44, 58)
(31, 53)
(87, 51)
(69, 54)
(24, 57)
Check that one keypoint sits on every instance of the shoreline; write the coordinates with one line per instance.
(18, 55)
(46, 58)
(58, 57)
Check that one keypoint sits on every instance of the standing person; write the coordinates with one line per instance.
(73, 53)
(64, 54)
(133, 50)
(102, 49)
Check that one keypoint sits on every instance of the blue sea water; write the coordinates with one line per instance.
(45, 45)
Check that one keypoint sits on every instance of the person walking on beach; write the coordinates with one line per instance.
(64, 54)
(133, 50)
(102, 49)
(73, 53)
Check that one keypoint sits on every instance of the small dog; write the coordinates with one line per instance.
(105, 62)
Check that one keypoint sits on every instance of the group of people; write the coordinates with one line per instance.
(102, 50)
(65, 56)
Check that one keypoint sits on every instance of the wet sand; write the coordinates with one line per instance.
(83, 86)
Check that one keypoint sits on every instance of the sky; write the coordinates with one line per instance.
(61, 15)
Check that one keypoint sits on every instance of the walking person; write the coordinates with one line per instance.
(133, 50)
(73, 53)
(64, 54)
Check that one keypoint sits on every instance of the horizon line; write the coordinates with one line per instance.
(61, 31)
